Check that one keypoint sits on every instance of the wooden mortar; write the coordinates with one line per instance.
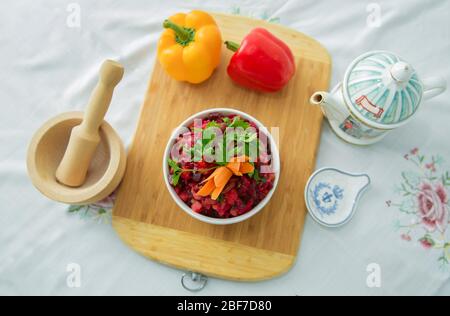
(77, 157)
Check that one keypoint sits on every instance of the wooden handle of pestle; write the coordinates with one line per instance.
(85, 137)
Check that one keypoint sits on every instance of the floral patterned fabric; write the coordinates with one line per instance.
(424, 205)
(397, 242)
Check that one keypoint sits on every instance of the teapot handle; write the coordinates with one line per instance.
(433, 86)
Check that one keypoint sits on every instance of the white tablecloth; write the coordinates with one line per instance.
(49, 65)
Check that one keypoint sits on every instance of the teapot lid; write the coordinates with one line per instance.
(381, 89)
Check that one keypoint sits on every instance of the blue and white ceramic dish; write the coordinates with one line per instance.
(332, 195)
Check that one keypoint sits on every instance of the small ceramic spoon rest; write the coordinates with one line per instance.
(332, 195)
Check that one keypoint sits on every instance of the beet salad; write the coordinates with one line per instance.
(220, 166)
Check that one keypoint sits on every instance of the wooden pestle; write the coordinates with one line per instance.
(85, 137)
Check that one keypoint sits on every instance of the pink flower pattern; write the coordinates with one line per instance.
(433, 210)
(424, 205)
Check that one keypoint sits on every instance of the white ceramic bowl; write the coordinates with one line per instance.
(207, 219)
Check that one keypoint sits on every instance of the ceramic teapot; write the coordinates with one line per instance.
(380, 92)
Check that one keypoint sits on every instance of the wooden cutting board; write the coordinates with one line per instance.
(266, 245)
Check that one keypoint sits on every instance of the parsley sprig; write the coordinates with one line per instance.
(177, 170)
(206, 146)
(236, 122)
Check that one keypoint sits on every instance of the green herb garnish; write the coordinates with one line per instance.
(212, 124)
(256, 176)
(238, 122)
(177, 171)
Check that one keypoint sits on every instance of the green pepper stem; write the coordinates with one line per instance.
(232, 45)
(181, 32)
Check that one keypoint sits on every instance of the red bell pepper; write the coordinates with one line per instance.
(262, 62)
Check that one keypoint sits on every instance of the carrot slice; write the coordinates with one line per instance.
(215, 194)
(207, 188)
(235, 166)
(217, 181)
(212, 175)
(247, 168)
(223, 175)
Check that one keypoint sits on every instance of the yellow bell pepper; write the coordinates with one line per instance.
(189, 48)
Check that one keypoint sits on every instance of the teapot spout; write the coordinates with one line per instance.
(331, 105)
